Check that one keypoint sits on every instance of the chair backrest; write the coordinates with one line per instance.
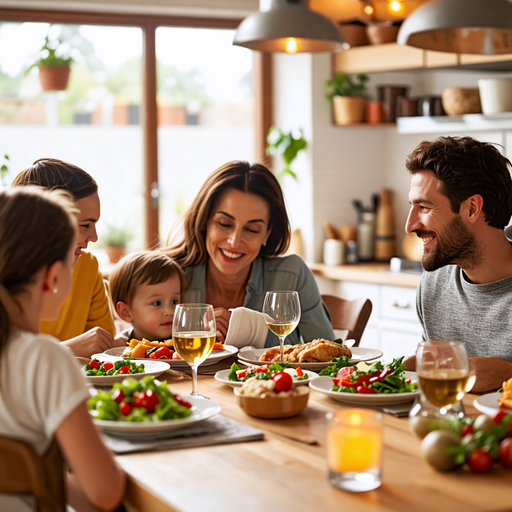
(351, 315)
(22, 471)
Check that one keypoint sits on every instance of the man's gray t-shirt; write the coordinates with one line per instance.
(451, 308)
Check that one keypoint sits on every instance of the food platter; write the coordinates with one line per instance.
(201, 410)
(214, 357)
(153, 368)
(324, 385)
(488, 404)
(249, 355)
(222, 376)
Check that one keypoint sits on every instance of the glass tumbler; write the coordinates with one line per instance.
(354, 449)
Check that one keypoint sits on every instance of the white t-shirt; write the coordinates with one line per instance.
(41, 383)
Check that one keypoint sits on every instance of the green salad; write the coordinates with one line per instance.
(138, 400)
(96, 368)
(339, 362)
(264, 372)
(379, 379)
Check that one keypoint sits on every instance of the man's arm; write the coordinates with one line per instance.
(490, 372)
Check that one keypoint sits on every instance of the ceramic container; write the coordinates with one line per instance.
(278, 407)
(495, 95)
(333, 252)
(389, 94)
(374, 112)
(458, 101)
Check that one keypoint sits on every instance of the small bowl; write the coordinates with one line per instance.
(381, 34)
(278, 407)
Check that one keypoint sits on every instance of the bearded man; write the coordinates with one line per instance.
(461, 201)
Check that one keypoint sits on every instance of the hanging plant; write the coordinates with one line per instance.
(286, 146)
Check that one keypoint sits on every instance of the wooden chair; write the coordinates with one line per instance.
(351, 315)
(22, 471)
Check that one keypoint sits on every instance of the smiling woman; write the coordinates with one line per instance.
(234, 235)
(85, 322)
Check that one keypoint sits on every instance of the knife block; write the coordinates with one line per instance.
(385, 237)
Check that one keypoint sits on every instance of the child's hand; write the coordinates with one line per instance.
(222, 317)
(91, 342)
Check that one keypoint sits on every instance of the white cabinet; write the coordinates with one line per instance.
(393, 326)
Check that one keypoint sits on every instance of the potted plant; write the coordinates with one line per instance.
(348, 96)
(4, 171)
(114, 241)
(54, 66)
(286, 146)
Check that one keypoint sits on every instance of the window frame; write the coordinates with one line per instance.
(149, 24)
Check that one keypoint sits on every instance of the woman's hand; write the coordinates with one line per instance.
(91, 342)
(222, 317)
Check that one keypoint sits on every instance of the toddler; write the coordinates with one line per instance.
(145, 288)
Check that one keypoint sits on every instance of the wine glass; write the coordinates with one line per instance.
(443, 372)
(193, 336)
(282, 314)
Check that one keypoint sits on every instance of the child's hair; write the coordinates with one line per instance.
(136, 268)
(37, 228)
(54, 174)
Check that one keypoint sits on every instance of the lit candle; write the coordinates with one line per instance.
(354, 449)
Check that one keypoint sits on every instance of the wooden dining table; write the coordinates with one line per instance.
(287, 470)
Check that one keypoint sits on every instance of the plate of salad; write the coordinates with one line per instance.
(250, 355)
(379, 385)
(140, 407)
(236, 376)
(105, 371)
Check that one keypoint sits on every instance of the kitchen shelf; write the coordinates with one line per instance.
(366, 125)
(469, 122)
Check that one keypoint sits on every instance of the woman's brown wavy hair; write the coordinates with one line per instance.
(253, 179)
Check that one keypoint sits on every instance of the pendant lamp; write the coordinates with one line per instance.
(460, 26)
(289, 26)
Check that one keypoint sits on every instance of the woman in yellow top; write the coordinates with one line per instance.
(85, 321)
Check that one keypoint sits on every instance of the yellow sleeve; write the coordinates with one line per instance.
(99, 311)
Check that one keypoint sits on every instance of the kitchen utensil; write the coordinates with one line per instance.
(458, 101)
(330, 231)
(385, 239)
(365, 236)
(388, 94)
(495, 95)
(347, 233)
(358, 205)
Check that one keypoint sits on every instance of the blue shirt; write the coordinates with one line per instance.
(279, 273)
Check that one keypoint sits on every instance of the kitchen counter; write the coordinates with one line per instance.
(375, 273)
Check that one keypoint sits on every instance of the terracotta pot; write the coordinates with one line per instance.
(381, 34)
(348, 109)
(54, 78)
(115, 253)
(458, 101)
(374, 112)
(354, 35)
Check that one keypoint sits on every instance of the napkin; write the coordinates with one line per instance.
(216, 430)
(246, 328)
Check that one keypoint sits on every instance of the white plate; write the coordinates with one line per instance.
(214, 357)
(488, 404)
(222, 376)
(324, 385)
(250, 355)
(151, 367)
(201, 410)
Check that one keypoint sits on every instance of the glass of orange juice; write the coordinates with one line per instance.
(354, 449)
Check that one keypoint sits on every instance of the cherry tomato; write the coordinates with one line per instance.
(299, 371)
(94, 364)
(124, 369)
(261, 369)
(506, 453)
(125, 408)
(365, 390)
(108, 366)
(182, 401)
(176, 356)
(118, 395)
(283, 380)
(499, 416)
(345, 372)
(362, 379)
(146, 399)
(162, 353)
(466, 429)
(479, 460)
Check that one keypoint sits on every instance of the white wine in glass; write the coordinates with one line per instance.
(193, 336)
(443, 371)
(282, 314)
